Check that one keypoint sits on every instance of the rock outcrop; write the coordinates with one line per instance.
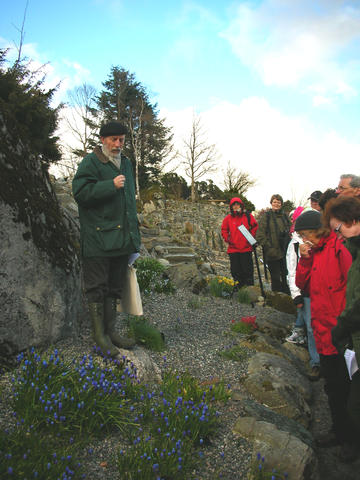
(40, 282)
(277, 418)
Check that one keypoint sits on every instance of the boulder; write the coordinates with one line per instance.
(276, 325)
(142, 365)
(149, 207)
(283, 451)
(184, 275)
(281, 301)
(261, 342)
(40, 281)
(277, 384)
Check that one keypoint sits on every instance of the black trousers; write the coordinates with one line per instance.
(278, 273)
(242, 268)
(104, 277)
(354, 401)
(337, 388)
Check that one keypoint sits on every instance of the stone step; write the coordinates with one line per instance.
(180, 258)
(174, 249)
(149, 231)
(151, 242)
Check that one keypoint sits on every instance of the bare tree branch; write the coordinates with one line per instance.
(135, 136)
(80, 119)
(199, 157)
(237, 181)
(22, 34)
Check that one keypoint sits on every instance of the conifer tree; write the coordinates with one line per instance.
(126, 100)
(26, 104)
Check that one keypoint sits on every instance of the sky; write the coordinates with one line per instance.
(276, 83)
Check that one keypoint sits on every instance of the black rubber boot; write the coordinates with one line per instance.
(110, 322)
(98, 326)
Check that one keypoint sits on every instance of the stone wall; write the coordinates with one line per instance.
(196, 224)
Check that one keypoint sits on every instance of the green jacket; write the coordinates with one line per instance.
(273, 234)
(108, 218)
(349, 321)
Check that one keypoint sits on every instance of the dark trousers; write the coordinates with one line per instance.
(278, 273)
(242, 268)
(337, 388)
(104, 277)
(354, 401)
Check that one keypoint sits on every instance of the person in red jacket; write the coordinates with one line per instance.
(322, 273)
(239, 249)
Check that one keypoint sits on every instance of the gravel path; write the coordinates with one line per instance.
(196, 330)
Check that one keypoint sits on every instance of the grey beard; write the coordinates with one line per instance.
(115, 159)
(109, 154)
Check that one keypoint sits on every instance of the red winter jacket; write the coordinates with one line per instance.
(230, 233)
(324, 277)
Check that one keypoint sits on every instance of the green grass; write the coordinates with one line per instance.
(196, 302)
(236, 353)
(146, 334)
(242, 327)
(243, 296)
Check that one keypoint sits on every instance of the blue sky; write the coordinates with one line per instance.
(276, 82)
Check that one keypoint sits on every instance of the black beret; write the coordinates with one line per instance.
(309, 220)
(112, 128)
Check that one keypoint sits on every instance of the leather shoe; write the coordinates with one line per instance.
(314, 375)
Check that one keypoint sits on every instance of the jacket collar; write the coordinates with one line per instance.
(324, 240)
(103, 158)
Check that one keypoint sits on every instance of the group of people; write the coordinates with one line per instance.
(315, 256)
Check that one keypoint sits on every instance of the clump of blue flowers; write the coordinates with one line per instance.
(59, 407)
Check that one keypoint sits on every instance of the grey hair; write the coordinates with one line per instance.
(355, 179)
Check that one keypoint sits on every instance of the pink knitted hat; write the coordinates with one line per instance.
(297, 212)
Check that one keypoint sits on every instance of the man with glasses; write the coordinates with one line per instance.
(349, 185)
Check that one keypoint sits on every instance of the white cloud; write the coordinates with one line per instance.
(62, 74)
(319, 100)
(299, 42)
(287, 155)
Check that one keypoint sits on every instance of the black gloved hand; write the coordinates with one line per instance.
(341, 338)
(299, 300)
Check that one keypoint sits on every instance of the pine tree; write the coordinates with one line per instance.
(26, 105)
(126, 100)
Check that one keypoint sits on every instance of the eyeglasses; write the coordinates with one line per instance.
(338, 228)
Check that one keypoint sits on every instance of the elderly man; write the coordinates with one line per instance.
(104, 189)
(349, 185)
